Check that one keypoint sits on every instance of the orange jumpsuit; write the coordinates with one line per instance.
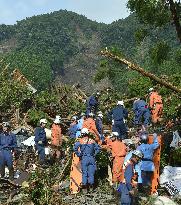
(156, 104)
(90, 124)
(56, 141)
(118, 150)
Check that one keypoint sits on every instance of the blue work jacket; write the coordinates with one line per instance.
(139, 105)
(79, 127)
(119, 113)
(148, 151)
(99, 125)
(92, 101)
(72, 131)
(88, 147)
(8, 141)
(40, 135)
(137, 166)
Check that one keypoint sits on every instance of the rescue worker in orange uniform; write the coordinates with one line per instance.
(90, 124)
(156, 105)
(56, 140)
(118, 151)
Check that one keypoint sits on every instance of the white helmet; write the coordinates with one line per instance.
(138, 153)
(43, 121)
(151, 89)
(128, 142)
(56, 121)
(82, 114)
(74, 118)
(100, 115)
(91, 114)
(58, 117)
(121, 102)
(116, 134)
(6, 124)
(144, 137)
(98, 94)
(84, 131)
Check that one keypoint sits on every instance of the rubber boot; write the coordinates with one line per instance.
(91, 188)
(84, 189)
(2, 171)
(11, 173)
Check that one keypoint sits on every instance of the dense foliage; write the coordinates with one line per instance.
(46, 42)
(12, 93)
(67, 44)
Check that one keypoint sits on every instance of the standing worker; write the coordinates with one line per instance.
(8, 144)
(86, 148)
(147, 165)
(41, 140)
(126, 188)
(92, 104)
(156, 105)
(90, 124)
(141, 110)
(118, 152)
(73, 129)
(99, 126)
(118, 116)
(80, 124)
(56, 138)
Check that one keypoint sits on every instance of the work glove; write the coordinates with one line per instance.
(40, 142)
(133, 192)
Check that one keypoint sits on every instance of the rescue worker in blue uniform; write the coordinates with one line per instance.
(99, 125)
(118, 115)
(147, 165)
(86, 148)
(74, 128)
(141, 110)
(126, 187)
(130, 149)
(80, 124)
(41, 140)
(8, 144)
(92, 104)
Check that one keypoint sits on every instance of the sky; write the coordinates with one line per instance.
(105, 11)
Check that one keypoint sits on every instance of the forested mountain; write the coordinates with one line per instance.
(65, 46)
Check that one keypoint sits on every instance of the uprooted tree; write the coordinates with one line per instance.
(137, 68)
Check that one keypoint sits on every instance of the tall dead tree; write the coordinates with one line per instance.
(137, 68)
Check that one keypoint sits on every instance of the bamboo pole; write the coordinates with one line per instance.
(137, 68)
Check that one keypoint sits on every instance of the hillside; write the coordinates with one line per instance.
(65, 46)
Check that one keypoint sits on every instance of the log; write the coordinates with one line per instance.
(137, 68)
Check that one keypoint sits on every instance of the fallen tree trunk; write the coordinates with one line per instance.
(140, 70)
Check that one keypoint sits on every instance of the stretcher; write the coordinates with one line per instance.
(75, 175)
(156, 161)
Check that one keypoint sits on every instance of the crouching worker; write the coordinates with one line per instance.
(126, 187)
(147, 165)
(41, 140)
(86, 148)
(7, 145)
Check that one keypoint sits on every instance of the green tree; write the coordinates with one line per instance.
(158, 12)
(12, 93)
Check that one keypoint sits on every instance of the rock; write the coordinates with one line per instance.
(162, 200)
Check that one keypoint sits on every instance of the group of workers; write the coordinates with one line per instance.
(127, 158)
